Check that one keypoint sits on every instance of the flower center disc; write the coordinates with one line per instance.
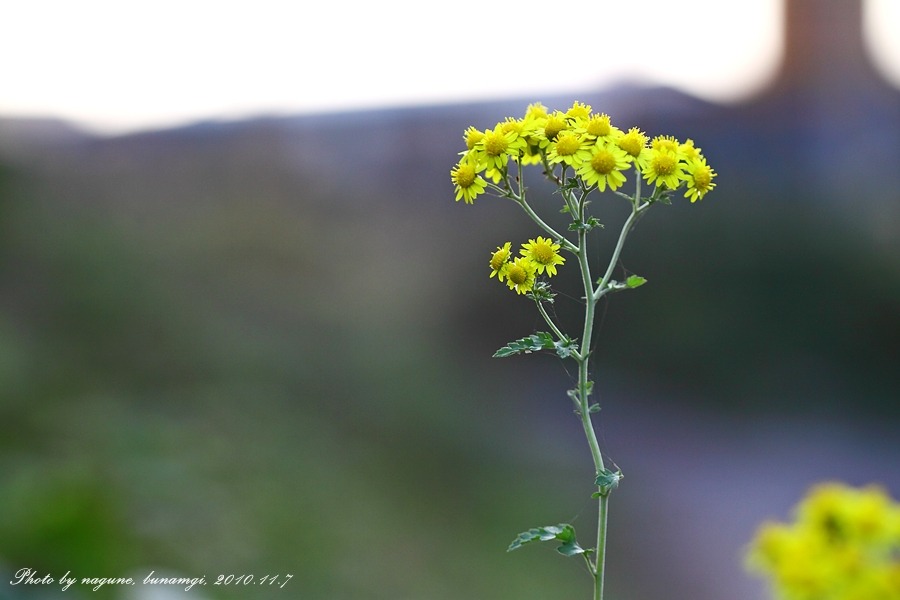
(603, 162)
(516, 274)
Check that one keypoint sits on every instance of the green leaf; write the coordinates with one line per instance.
(591, 223)
(607, 481)
(563, 532)
(634, 281)
(541, 340)
(565, 347)
(541, 292)
(534, 342)
(662, 198)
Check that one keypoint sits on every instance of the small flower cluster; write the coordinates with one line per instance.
(537, 257)
(844, 545)
(589, 144)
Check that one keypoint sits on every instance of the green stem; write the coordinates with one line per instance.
(592, 296)
(584, 389)
(556, 330)
(553, 233)
(600, 567)
(637, 210)
(577, 208)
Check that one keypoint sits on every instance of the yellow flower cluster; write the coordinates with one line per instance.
(596, 151)
(520, 272)
(843, 545)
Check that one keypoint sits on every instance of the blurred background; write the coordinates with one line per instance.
(256, 337)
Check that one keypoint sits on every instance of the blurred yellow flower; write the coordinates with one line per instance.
(843, 545)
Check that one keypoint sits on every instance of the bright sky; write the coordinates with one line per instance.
(115, 65)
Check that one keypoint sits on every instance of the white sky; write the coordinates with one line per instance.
(119, 65)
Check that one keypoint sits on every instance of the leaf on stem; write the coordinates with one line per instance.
(535, 342)
(634, 281)
(662, 198)
(565, 347)
(563, 532)
(542, 292)
(526, 345)
(576, 396)
(579, 225)
(607, 481)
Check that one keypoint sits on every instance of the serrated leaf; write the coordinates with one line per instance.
(563, 532)
(541, 292)
(634, 281)
(526, 345)
(591, 223)
(607, 481)
(565, 347)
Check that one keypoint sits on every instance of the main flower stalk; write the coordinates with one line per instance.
(581, 153)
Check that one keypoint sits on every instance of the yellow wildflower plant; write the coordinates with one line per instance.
(844, 544)
(581, 153)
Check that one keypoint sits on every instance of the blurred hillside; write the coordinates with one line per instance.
(264, 347)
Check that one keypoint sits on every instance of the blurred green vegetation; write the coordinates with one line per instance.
(241, 388)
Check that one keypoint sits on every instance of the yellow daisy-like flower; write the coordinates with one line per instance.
(536, 111)
(663, 168)
(579, 111)
(569, 148)
(500, 260)
(494, 149)
(665, 142)
(532, 134)
(551, 126)
(599, 127)
(634, 143)
(844, 544)
(687, 151)
(699, 177)
(520, 146)
(605, 167)
(520, 275)
(514, 125)
(472, 136)
(543, 253)
(468, 183)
